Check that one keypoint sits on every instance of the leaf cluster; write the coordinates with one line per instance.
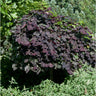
(10, 11)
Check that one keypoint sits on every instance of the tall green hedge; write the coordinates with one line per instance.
(11, 10)
(82, 11)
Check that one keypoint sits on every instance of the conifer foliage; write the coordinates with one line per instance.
(46, 41)
(82, 11)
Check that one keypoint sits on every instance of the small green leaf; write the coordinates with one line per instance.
(81, 22)
(7, 33)
(14, 15)
(14, 5)
(74, 26)
(8, 1)
(9, 24)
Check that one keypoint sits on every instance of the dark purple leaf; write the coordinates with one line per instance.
(50, 65)
(24, 25)
(29, 27)
(26, 61)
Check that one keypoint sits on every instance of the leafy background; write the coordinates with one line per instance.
(12, 10)
(83, 12)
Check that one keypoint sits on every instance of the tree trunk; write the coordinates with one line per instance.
(51, 74)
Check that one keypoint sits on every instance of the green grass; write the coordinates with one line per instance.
(82, 83)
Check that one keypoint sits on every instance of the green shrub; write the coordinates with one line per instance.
(80, 11)
(12, 10)
(82, 83)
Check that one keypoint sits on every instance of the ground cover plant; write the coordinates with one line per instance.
(47, 41)
(82, 83)
(11, 10)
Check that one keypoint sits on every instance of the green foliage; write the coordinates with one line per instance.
(81, 84)
(14, 92)
(11, 10)
(14, 10)
(80, 11)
